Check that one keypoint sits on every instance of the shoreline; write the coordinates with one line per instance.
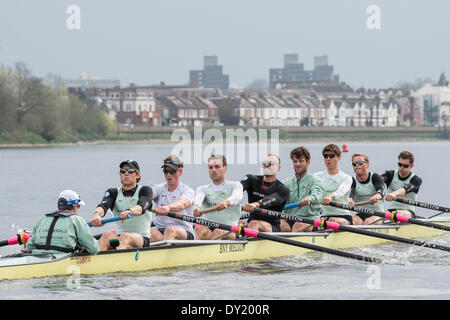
(341, 139)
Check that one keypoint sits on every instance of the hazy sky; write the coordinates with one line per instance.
(146, 42)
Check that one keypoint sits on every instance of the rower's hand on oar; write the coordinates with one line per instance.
(327, 199)
(124, 215)
(96, 220)
(351, 202)
(249, 207)
(390, 197)
(162, 210)
(222, 205)
(306, 201)
(197, 212)
(375, 198)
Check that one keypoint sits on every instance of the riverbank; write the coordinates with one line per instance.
(169, 135)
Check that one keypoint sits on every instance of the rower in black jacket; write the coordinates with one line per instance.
(266, 192)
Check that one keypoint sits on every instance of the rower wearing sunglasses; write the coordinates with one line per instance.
(337, 186)
(366, 186)
(128, 200)
(266, 192)
(402, 183)
(174, 196)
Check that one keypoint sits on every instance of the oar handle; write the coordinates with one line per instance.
(108, 220)
(292, 205)
(20, 238)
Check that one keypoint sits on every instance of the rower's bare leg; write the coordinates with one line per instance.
(260, 225)
(175, 233)
(103, 242)
(341, 221)
(357, 221)
(202, 233)
(155, 235)
(303, 227)
(284, 226)
(130, 240)
(405, 213)
(373, 220)
(217, 232)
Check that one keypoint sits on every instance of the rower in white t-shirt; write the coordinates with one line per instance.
(174, 196)
(337, 186)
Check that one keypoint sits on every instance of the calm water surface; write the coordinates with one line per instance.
(32, 179)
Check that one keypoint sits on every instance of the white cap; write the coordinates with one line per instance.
(71, 198)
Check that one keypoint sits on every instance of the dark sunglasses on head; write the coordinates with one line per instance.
(358, 163)
(268, 163)
(403, 165)
(171, 171)
(329, 155)
(129, 170)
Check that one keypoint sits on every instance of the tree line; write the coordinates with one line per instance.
(33, 111)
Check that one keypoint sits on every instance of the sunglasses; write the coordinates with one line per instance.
(171, 171)
(129, 170)
(360, 163)
(329, 155)
(268, 163)
(403, 165)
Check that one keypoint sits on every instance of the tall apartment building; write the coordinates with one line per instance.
(294, 71)
(211, 76)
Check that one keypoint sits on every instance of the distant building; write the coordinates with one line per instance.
(294, 72)
(434, 102)
(211, 76)
(83, 83)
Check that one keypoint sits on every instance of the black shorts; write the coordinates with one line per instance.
(347, 217)
(292, 222)
(146, 242)
(190, 236)
(413, 215)
(364, 216)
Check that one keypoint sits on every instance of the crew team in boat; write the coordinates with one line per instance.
(221, 200)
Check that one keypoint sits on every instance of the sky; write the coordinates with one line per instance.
(146, 42)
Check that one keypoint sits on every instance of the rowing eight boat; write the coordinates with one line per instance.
(177, 253)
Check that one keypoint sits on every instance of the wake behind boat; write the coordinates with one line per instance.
(183, 253)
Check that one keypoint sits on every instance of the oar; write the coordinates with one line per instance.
(255, 234)
(23, 237)
(331, 225)
(422, 204)
(108, 220)
(389, 216)
(20, 238)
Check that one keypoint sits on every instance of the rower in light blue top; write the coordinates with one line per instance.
(222, 194)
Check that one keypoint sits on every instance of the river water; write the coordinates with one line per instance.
(33, 177)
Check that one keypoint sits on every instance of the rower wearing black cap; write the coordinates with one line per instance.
(132, 200)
